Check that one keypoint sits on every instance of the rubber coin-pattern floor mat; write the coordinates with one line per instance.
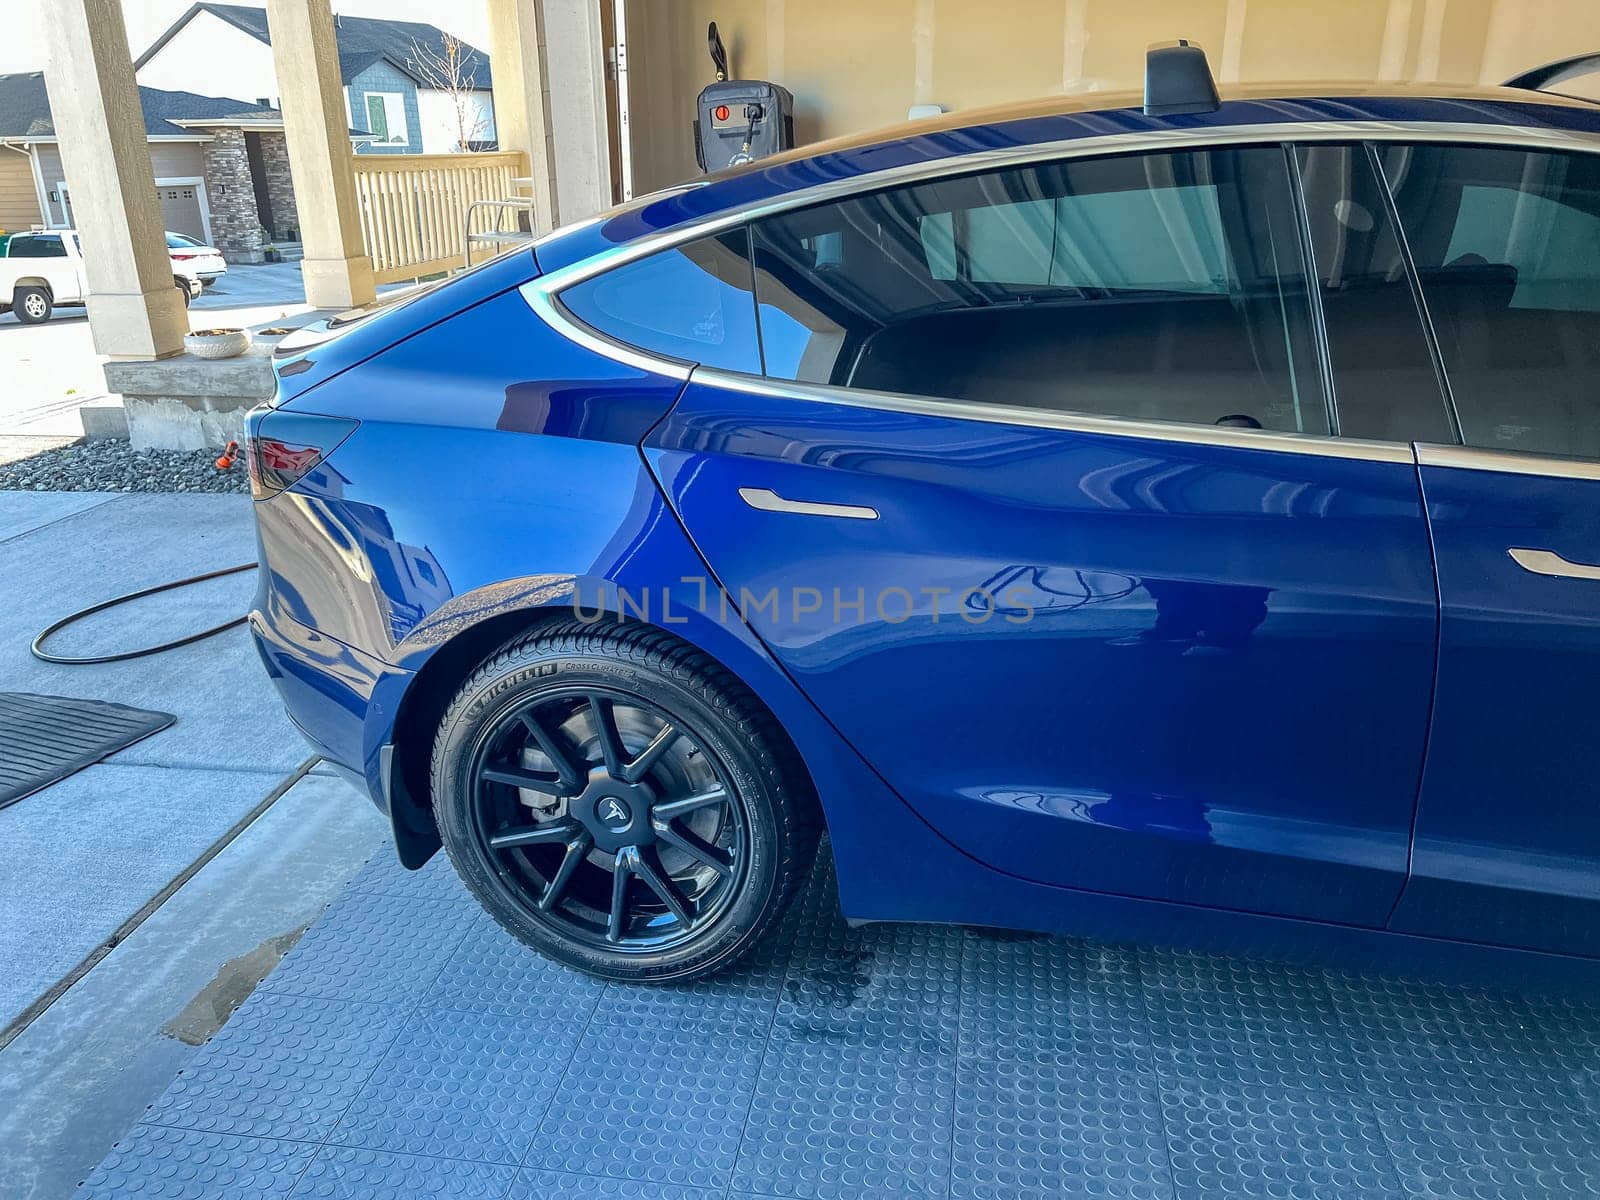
(408, 1047)
(46, 738)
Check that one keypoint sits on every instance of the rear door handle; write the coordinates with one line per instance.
(1548, 562)
(768, 500)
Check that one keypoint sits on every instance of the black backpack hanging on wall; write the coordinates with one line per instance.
(739, 120)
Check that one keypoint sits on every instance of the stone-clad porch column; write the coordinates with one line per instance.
(135, 311)
(280, 185)
(336, 269)
(235, 220)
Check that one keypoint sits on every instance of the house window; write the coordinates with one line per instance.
(386, 118)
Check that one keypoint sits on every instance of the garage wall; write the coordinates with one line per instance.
(855, 65)
(19, 200)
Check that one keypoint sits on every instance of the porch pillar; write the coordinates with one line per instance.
(550, 102)
(135, 311)
(336, 270)
(578, 117)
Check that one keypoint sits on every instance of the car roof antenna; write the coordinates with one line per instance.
(1177, 79)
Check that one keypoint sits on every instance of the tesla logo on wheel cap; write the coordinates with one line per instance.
(614, 813)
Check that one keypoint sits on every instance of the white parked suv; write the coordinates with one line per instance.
(42, 270)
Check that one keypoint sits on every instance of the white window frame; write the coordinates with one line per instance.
(394, 112)
(194, 181)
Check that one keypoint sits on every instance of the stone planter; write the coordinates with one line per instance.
(217, 343)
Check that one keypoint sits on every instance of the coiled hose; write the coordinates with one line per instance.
(43, 655)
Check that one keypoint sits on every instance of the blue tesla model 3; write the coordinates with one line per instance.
(1177, 522)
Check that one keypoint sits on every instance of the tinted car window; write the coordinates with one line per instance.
(692, 302)
(36, 246)
(1160, 287)
(1385, 383)
(1507, 247)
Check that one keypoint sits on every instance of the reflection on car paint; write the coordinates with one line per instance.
(1137, 687)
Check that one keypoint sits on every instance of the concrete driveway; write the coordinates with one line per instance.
(53, 368)
(100, 869)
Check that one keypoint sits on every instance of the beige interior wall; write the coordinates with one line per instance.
(19, 199)
(856, 64)
(1116, 34)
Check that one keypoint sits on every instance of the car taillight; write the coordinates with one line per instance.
(281, 448)
(183, 257)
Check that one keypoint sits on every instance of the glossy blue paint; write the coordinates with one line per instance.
(1508, 831)
(1090, 659)
(322, 349)
(1191, 700)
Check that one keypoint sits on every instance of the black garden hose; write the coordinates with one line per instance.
(44, 655)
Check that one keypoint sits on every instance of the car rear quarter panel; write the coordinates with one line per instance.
(496, 471)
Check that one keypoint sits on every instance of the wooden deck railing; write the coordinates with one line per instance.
(413, 206)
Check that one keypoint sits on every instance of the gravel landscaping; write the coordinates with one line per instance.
(112, 466)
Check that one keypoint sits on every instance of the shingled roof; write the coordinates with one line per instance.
(361, 41)
(25, 109)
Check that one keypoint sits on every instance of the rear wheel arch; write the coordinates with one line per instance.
(428, 697)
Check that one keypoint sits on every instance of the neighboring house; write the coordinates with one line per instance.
(391, 89)
(221, 166)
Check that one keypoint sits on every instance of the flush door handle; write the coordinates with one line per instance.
(1548, 562)
(768, 500)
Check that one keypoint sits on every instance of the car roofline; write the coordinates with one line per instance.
(1070, 125)
(1087, 103)
(556, 275)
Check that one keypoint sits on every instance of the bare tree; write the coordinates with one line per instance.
(452, 68)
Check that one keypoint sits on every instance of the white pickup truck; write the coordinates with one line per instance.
(42, 270)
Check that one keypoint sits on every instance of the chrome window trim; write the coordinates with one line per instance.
(1087, 146)
(1508, 462)
(541, 293)
(1043, 418)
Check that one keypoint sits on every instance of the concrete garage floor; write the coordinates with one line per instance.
(405, 1046)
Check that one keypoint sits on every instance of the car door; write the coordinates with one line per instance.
(60, 266)
(1507, 247)
(46, 257)
(1039, 502)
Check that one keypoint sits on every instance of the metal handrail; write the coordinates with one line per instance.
(516, 204)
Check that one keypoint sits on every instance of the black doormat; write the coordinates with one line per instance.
(46, 738)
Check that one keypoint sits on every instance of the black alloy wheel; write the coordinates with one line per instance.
(620, 803)
(610, 814)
